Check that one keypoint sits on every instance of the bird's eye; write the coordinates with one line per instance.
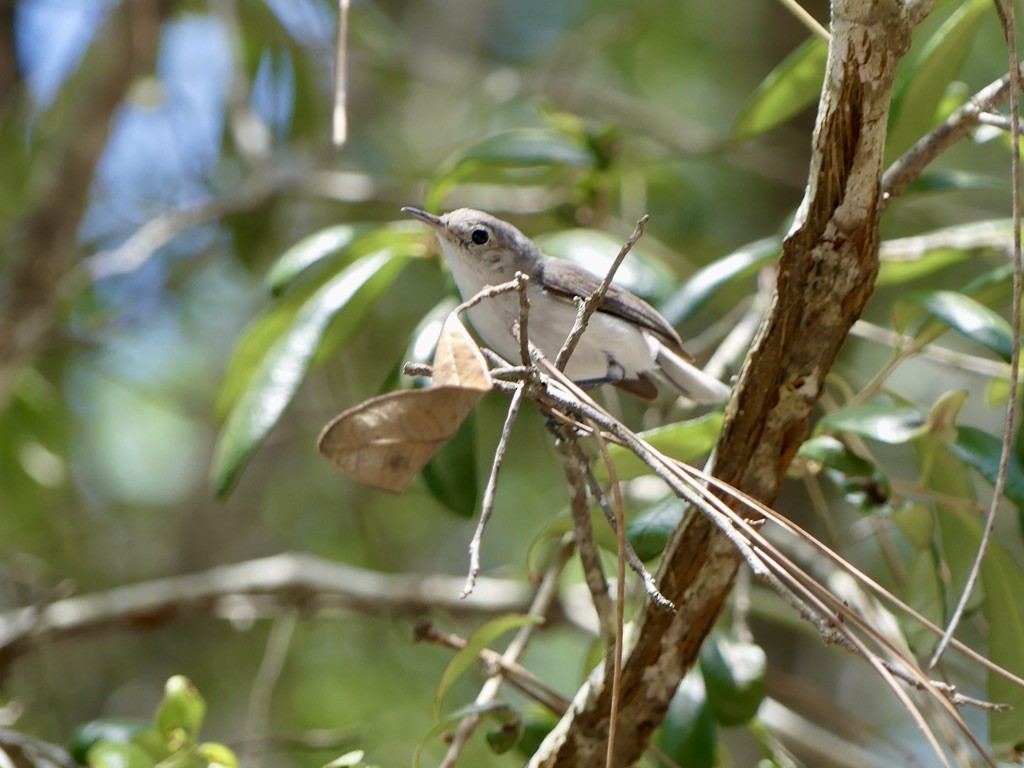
(480, 236)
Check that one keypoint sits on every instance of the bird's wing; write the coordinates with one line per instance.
(565, 278)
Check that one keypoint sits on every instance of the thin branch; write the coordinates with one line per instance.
(523, 331)
(908, 346)
(545, 596)
(997, 121)
(592, 303)
(1009, 30)
(515, 673)
(590, 558)
(487, 507)
(806, 19)
(650, 585)
(339, 117)
(909, 166)
(248, 590)
(258, 714)
(620, 602)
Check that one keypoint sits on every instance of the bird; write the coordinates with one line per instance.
(627, 342)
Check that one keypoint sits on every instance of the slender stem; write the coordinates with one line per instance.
(593, 302)
(1007, 19)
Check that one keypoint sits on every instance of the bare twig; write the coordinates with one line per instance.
(339, 116)
(258, 714)
(248, 590)
(523, 331)
(806, 19)
(620, 602)
(487, 507)
(1009, 30)
(650, 585)
(515, 673)
(592, 303)
(996, 121)
(546, 593)
(908, 346)
(957, 126)
(590, 558)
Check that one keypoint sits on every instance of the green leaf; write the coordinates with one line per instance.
(892, 424)
(346, 242)
(451, 475)
(968, 317)
(308, 251)
(923, 590)
(982, 451)
(641, 272)
(119, 730)
(910, 258)
(1004, 613)
(789, 89)
(497, 710)
(109, 754)
(217, 755)
(833, 454)
(650, 531)
(279, 375)
(918, 97)
(481, 638)
(733, 678)
(348, 760)
(917, 523)
(538, 722)
(181, 712)
(687, 735)
(504, 736)
(946, 474)
(685, 302)
(684, 440)
(937, 182)
(524, 147)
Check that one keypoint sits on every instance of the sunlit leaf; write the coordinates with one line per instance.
(348, 760)
(733, 674)
(217, 755)
(651, 529)
(703, 285)
(968, 317)
(683, 440)
(181, 710)
(1004, 613)
(934, 182)
(910, 258)
(917, 98)
(525, 147)
(274, 383)
(119, 730)
(833, 454)
(893, 424)
(108, 754)
(481, 638)
(308, 251)
(982, 451)
(343, 243)
(688, 733)
(641, 272)
(790, 88)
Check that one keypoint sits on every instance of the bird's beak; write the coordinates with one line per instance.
(426, 218)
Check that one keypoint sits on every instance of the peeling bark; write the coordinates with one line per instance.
(826, 275)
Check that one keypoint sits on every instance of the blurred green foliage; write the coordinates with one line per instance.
(284, 289)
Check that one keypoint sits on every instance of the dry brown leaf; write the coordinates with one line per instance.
(385, 441)
(458, 361)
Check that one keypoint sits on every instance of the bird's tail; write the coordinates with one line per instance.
(690, 380)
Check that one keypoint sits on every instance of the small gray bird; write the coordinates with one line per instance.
(626, 341)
